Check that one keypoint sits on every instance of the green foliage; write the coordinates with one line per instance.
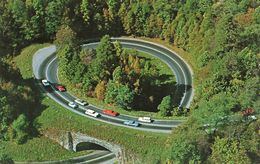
(26, 55)
(186, 146)
(38, 149)
(166, 106)
(53, 17)
(84, 8)
(225, 150)
(222, 36)
(5, 159)
(119, 94)
(66, 37)
(100, 90)
(17, 101)
(215, 111)
(20, 126)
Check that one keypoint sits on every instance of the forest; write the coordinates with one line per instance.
(222, 38)
(115, 75)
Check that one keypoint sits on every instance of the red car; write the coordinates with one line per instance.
(60, 88)
(110, 112)
(247, 112)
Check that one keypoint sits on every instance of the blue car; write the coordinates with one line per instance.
(131, 123)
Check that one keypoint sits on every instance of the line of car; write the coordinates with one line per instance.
(78, 102)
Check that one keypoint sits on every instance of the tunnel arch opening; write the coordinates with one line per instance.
(89, 146)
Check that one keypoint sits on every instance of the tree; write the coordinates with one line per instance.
(106, 60)
(37, 20)
(66, 37)
(214, 111)
(84, 8)
(118, 48)
(6, 113)
(183, 147)
(119, 94)
(20, 126)
(225, 150)
(87, 55)
(124, 97)
(111, 92)
(166, 106)
(54, 17)
(118, 75)
(100, 90)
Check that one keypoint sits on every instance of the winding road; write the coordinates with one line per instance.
(45, 65)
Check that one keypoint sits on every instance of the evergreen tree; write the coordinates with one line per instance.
(100, 90)
(166, 106)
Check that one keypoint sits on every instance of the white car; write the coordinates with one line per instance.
(72, 105)
(45, 83)
(145, 119)
(252, 117)
(81, 102)
(92, 113)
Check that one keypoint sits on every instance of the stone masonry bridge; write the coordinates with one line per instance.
(77, 142)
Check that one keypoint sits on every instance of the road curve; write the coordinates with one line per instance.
(92, 158)
(45, 66)
(181, 69)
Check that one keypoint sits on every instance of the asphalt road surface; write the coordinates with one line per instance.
(45, 66)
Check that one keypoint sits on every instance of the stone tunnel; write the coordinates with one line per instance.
(77, 142)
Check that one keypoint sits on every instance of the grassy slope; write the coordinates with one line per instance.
(134, 141)
(39, 148)
(54, 117)
(26, 55)
(163, 69)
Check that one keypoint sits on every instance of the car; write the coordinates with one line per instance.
(45, 83)
(252, 117)
(247, 112)
(131, 123)
(72, 104)
(59, 87)
(92, 113)
(110, 112)
(145, 119)
(81, 102)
